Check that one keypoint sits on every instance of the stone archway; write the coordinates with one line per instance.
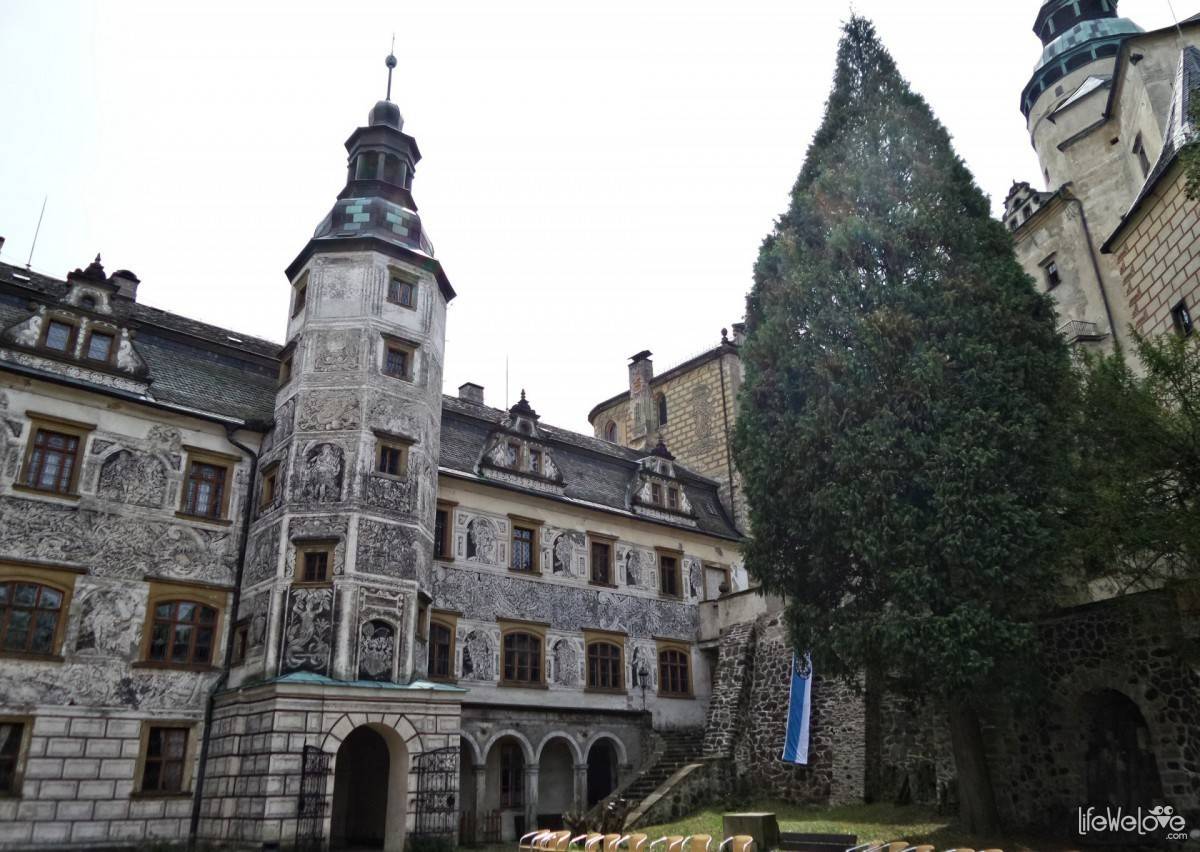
(1120, 768)
(558, 756)
(370, 790)
(602, 765)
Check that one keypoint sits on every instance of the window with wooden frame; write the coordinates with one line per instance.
(600, 549)
(443, 521)
(535, 462)
(101, 346)
(402, 290)
(670, 580)
(34, 602)
(285, 370)
(605, 661)
(14, 746)
(52, 455)
(267, 488)
(165, 760)
(672, 497)
(391, 455)
(442, 628)
(1050, 271)
(523, 655)
(523, 552)
(398, 359)
(183, 625)
(206, 488)
(512, 776)
(314, 563)
(656, 494)
(59, 335)
(300, 299)
(674, 670)
(716, 577)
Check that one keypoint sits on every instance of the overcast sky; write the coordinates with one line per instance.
(597, 177)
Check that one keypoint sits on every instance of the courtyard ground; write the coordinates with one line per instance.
(867, 822)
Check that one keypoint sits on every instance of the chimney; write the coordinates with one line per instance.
(471, 392)
(127, 284)
(641, 373)
(739, 333)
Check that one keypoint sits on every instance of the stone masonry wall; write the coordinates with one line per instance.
(1160, 259)
(731, 691)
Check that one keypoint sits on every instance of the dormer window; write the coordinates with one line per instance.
(60, 336)
(511, 453)
(656, 493)
(672, 498)
(100, 346)
(535, 461)
(88, 303)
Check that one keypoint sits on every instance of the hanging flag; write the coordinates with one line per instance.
(795, 747)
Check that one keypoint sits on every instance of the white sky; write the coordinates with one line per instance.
(597, 177)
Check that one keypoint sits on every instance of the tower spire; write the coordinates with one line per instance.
(390, 62)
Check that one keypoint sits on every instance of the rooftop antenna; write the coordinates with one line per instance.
(506, 381)
(1175, 18)
(390, 62)
(36, 231)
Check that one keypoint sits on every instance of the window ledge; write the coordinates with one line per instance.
(602, 585)
(683, 695)
(604, 690)
(186, 667)
(32, 656)
(524, 573)
(157, 794)
(204, 519)
(508, 684)
(44, 492)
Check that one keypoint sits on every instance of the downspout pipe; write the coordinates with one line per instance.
(728, 447)
(1087, 233)
(231, 626)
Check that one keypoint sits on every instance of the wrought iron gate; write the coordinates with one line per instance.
(436, 802)
(310, 811)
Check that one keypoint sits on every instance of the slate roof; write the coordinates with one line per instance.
(594, 471)
(191, 363)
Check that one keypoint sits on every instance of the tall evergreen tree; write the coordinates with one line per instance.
(903, 419)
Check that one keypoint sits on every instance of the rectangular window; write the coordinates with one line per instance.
(402, 292)
(1050, 268)
(535, 461)
(164, 760)
(392, 458)
(656, 493)
(602, 563)
(512, 776)
(1181, 315)
(511, 453)
(522, 656)
(441, 647)
(672, 498)
(52, 462)
(668, 575)
(440, 523)
(241, 641)
(12, 735)
(270, 479)
(100, 346)
(60, 336)
(522, 549)
(204, 491)
(397, 362)
(314, 563)
(605, 663)
(674, 671)
(1139, 151)
(285, 370)
(301, 297)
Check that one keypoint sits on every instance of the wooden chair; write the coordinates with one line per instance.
(894, 846)
(737, 843)
(634, 842)
(532, 840)
(673, 843)
(697, 843)
(558, 841)
(588, 841)
(924, 847)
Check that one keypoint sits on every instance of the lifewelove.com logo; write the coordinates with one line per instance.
(1159, 822)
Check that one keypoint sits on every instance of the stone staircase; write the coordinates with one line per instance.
(680, 747)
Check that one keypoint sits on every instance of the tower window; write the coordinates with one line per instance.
(402, 292)
(398, 360)
(1182, 318)
(301, 297)
(392, 458)
(662, 409)
(1050, 268)
(1139, 151)
(610, 432)
(313, 563)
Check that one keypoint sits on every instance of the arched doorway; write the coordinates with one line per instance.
(1119, 763)
(601, 771)
(370, 792)
(556, 783)
(505, 780)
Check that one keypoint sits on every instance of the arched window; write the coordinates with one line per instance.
(673, 673)
(29, 617)
(661, 402)
(522, 658)
(605, 668)
(182, 633)
(441, 651)
(610, 432)
(512, 776)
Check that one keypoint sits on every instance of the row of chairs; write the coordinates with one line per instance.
(562, 841)
(903, 846)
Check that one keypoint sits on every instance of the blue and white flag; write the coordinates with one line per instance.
(795, 747)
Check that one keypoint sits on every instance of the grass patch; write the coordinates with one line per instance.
(876, 822)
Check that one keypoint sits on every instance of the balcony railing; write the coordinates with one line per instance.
(1081, 331)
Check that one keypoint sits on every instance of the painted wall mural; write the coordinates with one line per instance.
(320, 477)
(338, 350)
(481, 538)
(387, 549)
(565, 551)
(262, 554)
(255, 610)
(110, 619)
(104, 683)
(479, 655)
(637, 566)
(565, 665)
(136, 478)
(308, 640)
(693, 573)
(376, 651)
(330, 412)
(381, 617)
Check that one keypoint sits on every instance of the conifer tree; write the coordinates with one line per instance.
(903, 417)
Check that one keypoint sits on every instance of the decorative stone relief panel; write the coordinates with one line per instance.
(401, 496)
(110, 619)
(637, 567)
(73, 371)
(255, 610)
(566, 662)
(387, 549)
(643, 656)
(319, 476)
(480, 657)
(168, 440)
(131, 477)
(105, 683)
(285, 420)
(262, 555)
(330, 412)
(479, 538)
(704, 416)
(117, 546)
(564, 552)
(308, 639)
(303, 528)
(693, 578)
(380, 634)
(485, 596)
(338, 350)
